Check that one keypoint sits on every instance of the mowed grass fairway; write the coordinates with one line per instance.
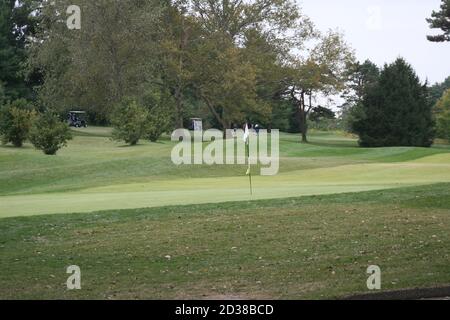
(95, 174)
(311, 231)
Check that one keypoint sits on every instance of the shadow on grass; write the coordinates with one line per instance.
(337, 144)
(10, 147)
(139, 145)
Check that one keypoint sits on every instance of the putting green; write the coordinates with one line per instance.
(339, 179)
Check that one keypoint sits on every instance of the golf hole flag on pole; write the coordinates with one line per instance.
(247, 146)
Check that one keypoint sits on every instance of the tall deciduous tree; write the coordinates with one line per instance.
(111, 57)
(441, 20)
(224, 81)
(396, 111)
(266, 56)
(234, 17)
(322, 71)
(443, 116)
(181, 35)
(228, 77)
(362, 77)
(437, 90)
(16, 24)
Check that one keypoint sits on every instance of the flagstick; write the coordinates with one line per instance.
(247, 143)
(251, 186)
(249, 169)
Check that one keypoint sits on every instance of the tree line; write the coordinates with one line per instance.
(148, 66)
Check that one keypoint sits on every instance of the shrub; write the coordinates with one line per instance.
(159, 117)
(158, 123)
(129, 120)
(16, 119)
(49, 134)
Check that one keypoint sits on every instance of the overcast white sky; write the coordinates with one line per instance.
(382, 30)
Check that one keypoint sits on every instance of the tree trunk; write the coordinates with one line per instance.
(179, 96)
(179, 106)
(225, 125)
(303, 124)
(302, 113)
(220, 118)
(304, 136)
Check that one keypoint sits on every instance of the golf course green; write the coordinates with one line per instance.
(140, 227)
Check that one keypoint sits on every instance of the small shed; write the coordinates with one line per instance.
(197, 124)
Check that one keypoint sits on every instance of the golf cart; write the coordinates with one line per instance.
(77, 119)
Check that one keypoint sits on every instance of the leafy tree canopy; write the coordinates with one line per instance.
(443, 116)
(16, 25)
(437, 90)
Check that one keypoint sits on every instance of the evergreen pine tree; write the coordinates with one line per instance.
(396, 111)
(441, 20)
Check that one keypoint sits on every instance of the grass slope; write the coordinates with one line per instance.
(310, 247)
(94, 173)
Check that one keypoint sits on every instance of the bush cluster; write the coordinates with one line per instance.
(19, 121)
